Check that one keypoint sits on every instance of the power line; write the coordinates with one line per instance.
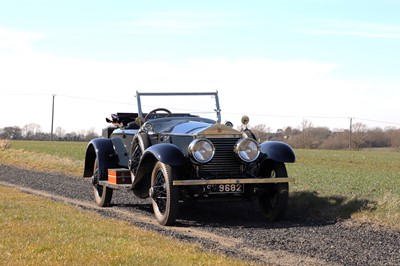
(66, 96)
(295, 116)
(377, 121)
(26, 94)
(199, 111)
(94, 100)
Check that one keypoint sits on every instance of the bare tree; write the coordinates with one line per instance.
(376, 137)
(336, 141)
(359, 136)
(319, 136)
(29, 131)
(287, 132)
(306, 135)
(11, 133)
(262, 132)
(90, 134)
(60, 133)
(394, 137)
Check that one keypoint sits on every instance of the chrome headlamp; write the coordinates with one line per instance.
(201, 150)
(247, 149)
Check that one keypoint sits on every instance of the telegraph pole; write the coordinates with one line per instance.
(351, 128)
(52, 118)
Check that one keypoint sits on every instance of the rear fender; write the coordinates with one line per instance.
(164, 152)
(120, 151)
(278, 151)
(103, 150)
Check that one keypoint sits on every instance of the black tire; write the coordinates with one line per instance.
(139, 144)
(164, 196)
(102, 194)
(273, 200)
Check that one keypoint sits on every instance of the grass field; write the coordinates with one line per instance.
(54, 156)
(72, 150)
(329, 184)
(38, 231)
(362, 184)
(363, 173)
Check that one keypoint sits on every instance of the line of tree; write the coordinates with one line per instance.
(34, 132)
(305, 136)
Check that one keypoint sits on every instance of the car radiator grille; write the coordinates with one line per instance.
(224, 163)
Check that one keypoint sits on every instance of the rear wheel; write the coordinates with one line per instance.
(164, 195)
(139, 144)
(102, 194)
(274, 198)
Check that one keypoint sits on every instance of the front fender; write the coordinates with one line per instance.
(164, 152)
(278, 151)
(103, 150)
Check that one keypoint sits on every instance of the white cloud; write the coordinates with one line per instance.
(181, 22)
(17, 41)
(355, 33)
(357, 29)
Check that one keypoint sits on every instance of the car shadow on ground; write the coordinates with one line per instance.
(310, 205)
(306, 208)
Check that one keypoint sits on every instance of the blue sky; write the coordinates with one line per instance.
(278, 61)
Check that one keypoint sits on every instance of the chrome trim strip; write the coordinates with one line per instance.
(233, 181)
(115, 186)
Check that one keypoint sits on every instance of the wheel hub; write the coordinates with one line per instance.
(151, 192)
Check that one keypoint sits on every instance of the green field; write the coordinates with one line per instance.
(348, 173)
(329, 184)
(363, 184)
(39, 231)
(71, 150)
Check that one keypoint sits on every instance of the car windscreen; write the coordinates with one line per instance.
(198, 105)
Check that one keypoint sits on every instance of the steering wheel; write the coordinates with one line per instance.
(153, 112)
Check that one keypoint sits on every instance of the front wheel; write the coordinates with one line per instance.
(164, 195)
(102, 194)
(273, 200)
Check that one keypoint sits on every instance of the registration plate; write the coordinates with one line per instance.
(227, 188)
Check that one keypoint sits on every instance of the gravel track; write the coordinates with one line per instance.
(235, 229)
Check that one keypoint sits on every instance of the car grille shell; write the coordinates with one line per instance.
(224, 164)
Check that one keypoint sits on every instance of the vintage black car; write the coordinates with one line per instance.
(175, 157)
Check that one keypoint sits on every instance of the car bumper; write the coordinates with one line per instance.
(233, 181)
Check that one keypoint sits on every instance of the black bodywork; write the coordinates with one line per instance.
(159, 150)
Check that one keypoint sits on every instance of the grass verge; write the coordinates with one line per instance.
(58, 157)
(38, 231)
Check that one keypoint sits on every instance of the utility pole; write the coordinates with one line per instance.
(52, 118)
(351, 128)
